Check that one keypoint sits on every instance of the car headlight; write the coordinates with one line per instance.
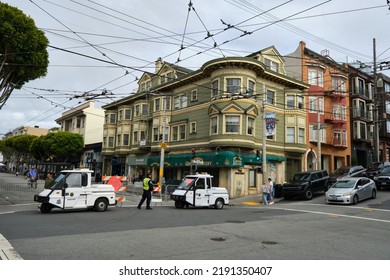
(375, 177)
(347, 194)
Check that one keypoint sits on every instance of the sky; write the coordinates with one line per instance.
(98, 46)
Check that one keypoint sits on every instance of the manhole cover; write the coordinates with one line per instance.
(269, 242)
(235, 222)
(219, 239)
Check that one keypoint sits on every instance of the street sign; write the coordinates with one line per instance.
(163, 145)
(322, 126)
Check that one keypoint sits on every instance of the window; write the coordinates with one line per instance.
(165, 133)
(135, 137)
(183, 101)
(167, 102)
(274, 66)
(270, 97)
(112, 118)
(251, 88)
(316, 104)
(313, 134)
(290, 135)
(137, 111)
(301, 135)
(156, 135)
(388, 126)
(104, 141)
(110, 142)
(387, 102)
(215, 88)
(316, 76)
(193, 127)
(290, 101)
(157, 104)
(232, 124)
(233, 85)
(300, 102)
(175, 132)
(78, 121)
(339, 85)
(177, 102)
(118, 138)
(251, 125)
(182, 129)
(126, 139)
(120, 115)
(170, 76)
(194, 95)
(127, 114)
(145, 110)
(213, 125)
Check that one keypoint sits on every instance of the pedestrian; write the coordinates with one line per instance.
(271, 190)
(49, 180)
(32, 178)
(265, 194)
(147, 194)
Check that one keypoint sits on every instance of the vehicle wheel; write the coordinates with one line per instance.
(219, 203)
(101, 205)
(46, 208)
(355, 199)
(373, 195)
(179, 205)
(308, 194)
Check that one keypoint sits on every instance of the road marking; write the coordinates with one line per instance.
(349, 206)
(7, 252)
(331, 214)
(9, 212)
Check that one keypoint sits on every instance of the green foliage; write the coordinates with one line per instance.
(23, 54)
(62, 145)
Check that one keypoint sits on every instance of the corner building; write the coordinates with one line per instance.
(210, 120)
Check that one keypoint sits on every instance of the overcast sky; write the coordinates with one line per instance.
(134, 33)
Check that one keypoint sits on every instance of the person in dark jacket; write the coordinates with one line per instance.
(147, 194)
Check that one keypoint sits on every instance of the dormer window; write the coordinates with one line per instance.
(272, 65)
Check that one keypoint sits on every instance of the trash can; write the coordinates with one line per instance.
(278, 190)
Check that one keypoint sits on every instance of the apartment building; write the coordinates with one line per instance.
(87, 121)
(210, 120)
(327, 106)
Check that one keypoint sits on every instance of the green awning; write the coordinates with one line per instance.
(212, 159)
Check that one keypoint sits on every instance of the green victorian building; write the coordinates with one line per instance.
(210, 120)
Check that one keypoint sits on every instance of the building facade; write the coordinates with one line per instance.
(327, 106)
(87, 121)
(210, 120)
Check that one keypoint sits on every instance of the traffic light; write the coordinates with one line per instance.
(259, 170)
(258, 155)
(193, 150)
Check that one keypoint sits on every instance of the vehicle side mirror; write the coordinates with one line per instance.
(65, 185)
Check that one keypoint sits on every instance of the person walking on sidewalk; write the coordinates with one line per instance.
(265, 194)
(270, 186)
(147, 194)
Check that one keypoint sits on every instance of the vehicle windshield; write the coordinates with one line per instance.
(340, 171)
(57, 180)
(385, 170)
(301, 177)
(344, 184)
(186, 184)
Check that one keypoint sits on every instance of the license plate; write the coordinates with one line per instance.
(383, 183)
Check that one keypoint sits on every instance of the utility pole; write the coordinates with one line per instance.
(264, 151)
(163, 146)
(319, 166)
(376, 114)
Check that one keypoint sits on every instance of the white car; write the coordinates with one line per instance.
(351, 191)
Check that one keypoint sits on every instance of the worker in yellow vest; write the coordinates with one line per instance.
(147, 194)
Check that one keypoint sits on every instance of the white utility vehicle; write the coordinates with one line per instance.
(198, 191)
(72, 189)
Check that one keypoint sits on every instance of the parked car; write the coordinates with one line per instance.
(375, 167)
(351, 191)
(306, 183)
(382, 179)
(347, 172)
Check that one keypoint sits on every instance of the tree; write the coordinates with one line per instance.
(23, 54)
(63, 145)
(17, 148)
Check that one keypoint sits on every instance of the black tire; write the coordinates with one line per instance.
(373, 195)
(179, 205)
(308, 194)
(101, 205)
(46, 208)
(355, 199)
(219, 204)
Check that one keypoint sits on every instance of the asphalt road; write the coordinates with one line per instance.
(287, 230)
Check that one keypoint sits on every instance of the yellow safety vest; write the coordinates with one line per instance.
(146, 184)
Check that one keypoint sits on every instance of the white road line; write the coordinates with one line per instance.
(9, 212)
(334, 214)
(7, 252)
(349, 206)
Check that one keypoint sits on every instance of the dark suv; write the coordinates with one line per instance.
(347, 172)
(306, 183)
(375, 167)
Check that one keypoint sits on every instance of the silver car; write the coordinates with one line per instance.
(351, 191)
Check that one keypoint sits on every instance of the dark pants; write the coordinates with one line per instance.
(145, 196)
